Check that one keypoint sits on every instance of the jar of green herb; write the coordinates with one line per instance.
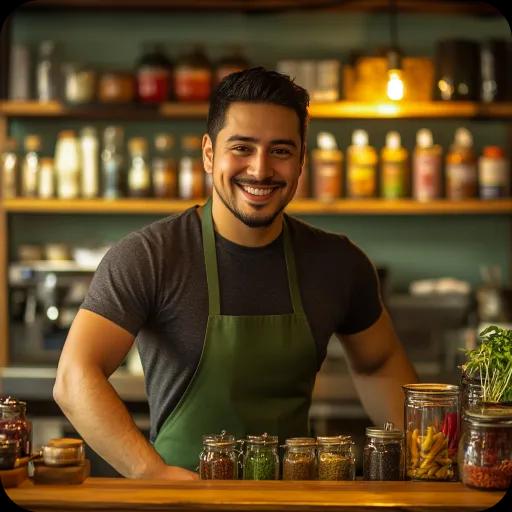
(336, 458)
(299, 460)
(261, 460)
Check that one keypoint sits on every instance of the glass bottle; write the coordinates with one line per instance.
(164, 171)
(154, 72)
(299, 460)
(139, 174)
(394, 183)
(112, 162)
(193, 77)
(10, 169)
(485, 451)
(461, 167)
(336, 458)
(48, 76)
(261, 460)
(493, 173)
(46, 180)
(432, 422)
(219, 458)
(426, 167)
(327, 161)
(67, 165)
(89, 145)
(383, 453)
(361, 167)
(191, 173)
(30, 166)
(14, 424)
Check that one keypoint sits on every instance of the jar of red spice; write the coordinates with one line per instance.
(193, 77)
(14, 425)
(485, 452)
(154, 75)
(219, 458)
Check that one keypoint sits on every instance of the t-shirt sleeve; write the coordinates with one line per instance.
(123, 286)
(364, 305)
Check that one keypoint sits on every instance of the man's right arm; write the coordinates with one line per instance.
(94, 349)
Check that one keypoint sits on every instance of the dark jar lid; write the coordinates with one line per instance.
(490, 416)
(386, 432)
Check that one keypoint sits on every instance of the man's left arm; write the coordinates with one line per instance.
(379, 367)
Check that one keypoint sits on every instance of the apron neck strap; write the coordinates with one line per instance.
(212, 272)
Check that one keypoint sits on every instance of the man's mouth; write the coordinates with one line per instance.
(258, 192)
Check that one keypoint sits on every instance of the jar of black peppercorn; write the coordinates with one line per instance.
(14, 425)
(336, 458)
(261, 460)
(219, 458)
(299, 460)
(384, 453)
(485, 449)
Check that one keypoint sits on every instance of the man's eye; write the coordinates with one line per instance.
(281, 151)
(240, 149)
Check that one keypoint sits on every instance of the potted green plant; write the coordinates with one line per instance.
(487, 373)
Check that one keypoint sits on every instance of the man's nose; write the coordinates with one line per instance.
(260, 166)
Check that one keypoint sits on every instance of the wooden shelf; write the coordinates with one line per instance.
(298, 206)
(334, 110)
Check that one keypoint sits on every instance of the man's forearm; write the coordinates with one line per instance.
(93, 407)
(381, 391)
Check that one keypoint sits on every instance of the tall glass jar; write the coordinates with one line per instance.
(485, 451)
(383, 453)
(164, 168)
(471, 391)
(14, 424)
(432, 422)
(191, 172)
(67, 165)
(261, 460)
(219, 458)
(336, 458)
(112, 162)
(139, 173)
(299, 460)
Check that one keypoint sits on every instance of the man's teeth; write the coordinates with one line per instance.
(258, 191)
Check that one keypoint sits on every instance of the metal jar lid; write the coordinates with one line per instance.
(9, 403)
(222, 440)
(490, 415)
(334, 440)
(432, 388)
(386, 432)
(301, 441)
(263, 439)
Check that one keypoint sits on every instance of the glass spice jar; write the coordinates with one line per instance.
(261, 460)
(432, 422)
(336, 458)
(383, 453)
(219, 458)
(299, 460)
(164, 168)
(485, 450)
(190, 168)
(471, 392)
(14, 425)
(116, 87)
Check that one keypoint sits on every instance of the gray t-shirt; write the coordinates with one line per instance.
(153, 284)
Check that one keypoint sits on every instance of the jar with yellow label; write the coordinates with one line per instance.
(361, 167)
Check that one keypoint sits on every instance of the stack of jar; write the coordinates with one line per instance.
(15, 431)
(156, 78)
(81, 168)
(390, 175)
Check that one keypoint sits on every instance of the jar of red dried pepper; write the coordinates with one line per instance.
(485, 452)
(431, 420)
(219, 458)
(14, 425)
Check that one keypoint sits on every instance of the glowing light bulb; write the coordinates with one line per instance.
(395, 85)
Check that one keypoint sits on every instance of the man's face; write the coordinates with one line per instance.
(256, 162)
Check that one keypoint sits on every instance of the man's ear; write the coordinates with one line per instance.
(207, 154)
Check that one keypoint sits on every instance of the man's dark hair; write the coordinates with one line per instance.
(257, 85)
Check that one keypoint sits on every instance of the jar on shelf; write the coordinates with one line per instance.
(112, 162)
(164, 171)
(79, 84)
(116, 87)
(46, 179)
(9, 173)
(261, 460)
(485, 452)
(48, 77)
(30, 166)
(154, 73)
(471, 392)
(193, 77)
(14, 424)
(384, 453)
(432, 422)
(219, 458)
(191, 172)
(336, 458)
(67, 165)
(139, 174)
(299, 460)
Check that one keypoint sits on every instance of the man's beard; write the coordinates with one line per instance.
(250, 220)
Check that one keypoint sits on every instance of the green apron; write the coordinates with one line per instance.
(255, 375)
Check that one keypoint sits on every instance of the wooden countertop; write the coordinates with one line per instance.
(119, 494)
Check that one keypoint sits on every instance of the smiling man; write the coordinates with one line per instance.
(232, 303)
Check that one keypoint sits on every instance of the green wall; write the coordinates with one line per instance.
(412, 247)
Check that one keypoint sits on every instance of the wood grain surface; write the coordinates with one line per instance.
(119, 494)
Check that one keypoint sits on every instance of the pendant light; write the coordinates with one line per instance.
(395, 84)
